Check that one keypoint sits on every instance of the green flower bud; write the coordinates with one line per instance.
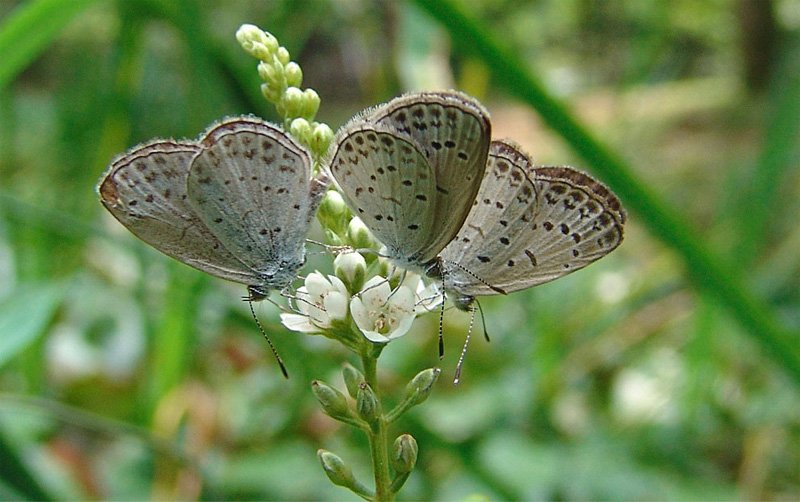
(273, 95)
(282, 55)
(352, 379)
(310, 103)
(321, 138)
(351, 268)
(294, 75)
(333, 202)
(293, 102)
(333, 402)
(301, 129)
(270, 42)
(278, 77)
(333, 237)
(367, 405)
(404, 453)
(337, 470)
(358, 234)
(419, 388)
(266, 71)
(254, 41)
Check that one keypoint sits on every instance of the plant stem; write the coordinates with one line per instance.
(378, 439)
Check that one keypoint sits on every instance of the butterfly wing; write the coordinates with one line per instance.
(250, 184)
(389, 184)
(453, 132)
(145, 189)
(530, 225)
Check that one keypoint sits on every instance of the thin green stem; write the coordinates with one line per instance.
(378, 438)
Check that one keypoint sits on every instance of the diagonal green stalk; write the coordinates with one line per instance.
(708, 271)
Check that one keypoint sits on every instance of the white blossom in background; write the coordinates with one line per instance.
(320, 301)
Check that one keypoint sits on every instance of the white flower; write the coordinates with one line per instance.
(320, 301)
(426, 298)
(382, 315)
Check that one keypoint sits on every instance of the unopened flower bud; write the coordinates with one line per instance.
(358, 234)
(283, 55)
(266, 71)
(254, 41)
(333, 202)
(333, 402)
(367, 405)
(337, 470)
(321, 138)
(294, 75)
(301, 129)
(311, 101)
(419, 388)
(271, 43)
(404, 453)
(293, 102)
(269, 92)
(351, 268)
(352, 379)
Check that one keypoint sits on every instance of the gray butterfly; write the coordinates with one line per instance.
(528, 226)
(410, 169)
(235, 204)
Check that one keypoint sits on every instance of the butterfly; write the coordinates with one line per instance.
(529, 225)
(236, 203)
(410, 169)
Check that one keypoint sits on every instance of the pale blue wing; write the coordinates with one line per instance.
(530, 225)
(250, 184)
(145, 189)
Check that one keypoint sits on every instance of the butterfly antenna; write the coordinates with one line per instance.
(441, 322)
(271, 346)
(478, 278)
(483, 320)
(460, 364)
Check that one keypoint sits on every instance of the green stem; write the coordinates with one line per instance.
(378, 439)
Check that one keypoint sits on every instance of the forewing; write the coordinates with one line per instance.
(453, 132)
(556, 221)
(389, 184)
(249, 183)
(145, 189)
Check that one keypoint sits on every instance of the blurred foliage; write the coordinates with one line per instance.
(126, 375)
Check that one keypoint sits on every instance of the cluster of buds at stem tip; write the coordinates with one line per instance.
(282, 81)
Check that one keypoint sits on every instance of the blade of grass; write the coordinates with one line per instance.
(704, 268)
(14, 472)
(778, 156)
(30, 29)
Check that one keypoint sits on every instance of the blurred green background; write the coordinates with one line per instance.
(668, 370)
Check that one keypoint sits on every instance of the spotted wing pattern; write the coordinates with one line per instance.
(410, 169)
(235, 204)
(145, 189)
(530, 225)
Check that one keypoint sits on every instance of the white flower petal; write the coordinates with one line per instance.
(317, 285)
(299, 323)
(336, 305)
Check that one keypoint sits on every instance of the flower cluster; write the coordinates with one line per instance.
(334, 303)
(282, 80)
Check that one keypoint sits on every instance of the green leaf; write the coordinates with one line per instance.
(23, 317)
(30, 29)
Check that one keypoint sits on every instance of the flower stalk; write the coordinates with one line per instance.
(359, 306)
